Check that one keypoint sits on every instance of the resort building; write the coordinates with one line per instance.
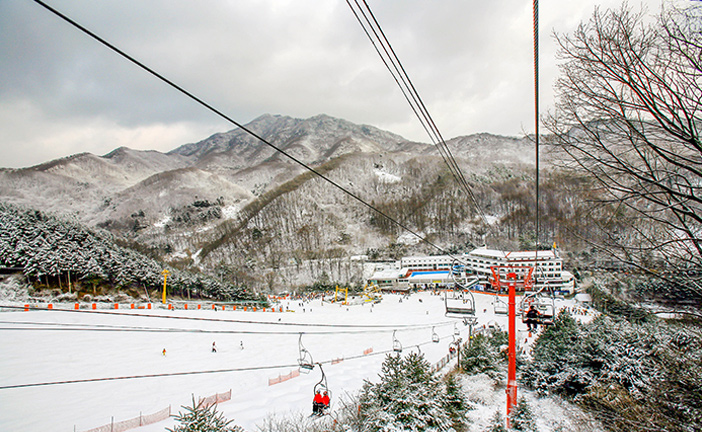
(533, 270)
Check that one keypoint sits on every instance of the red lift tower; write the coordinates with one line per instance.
(512, 349)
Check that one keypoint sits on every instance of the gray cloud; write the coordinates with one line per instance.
(62, 93)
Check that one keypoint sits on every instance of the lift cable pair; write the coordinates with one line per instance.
(211, 108)
(380, 42)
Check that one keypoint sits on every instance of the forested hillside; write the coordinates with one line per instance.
(54, 252)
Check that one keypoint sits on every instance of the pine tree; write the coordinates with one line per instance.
(200, 418)
(408, 397)
(456, 403)
(497, 424)
(523, 419)
(482, 356)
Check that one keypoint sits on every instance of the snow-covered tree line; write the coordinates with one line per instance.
(632, 375)
(52, 249)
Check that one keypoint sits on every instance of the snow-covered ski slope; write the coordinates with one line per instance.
(55, 346)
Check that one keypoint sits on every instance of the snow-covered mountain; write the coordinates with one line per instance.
(154, 197)
(233, 165)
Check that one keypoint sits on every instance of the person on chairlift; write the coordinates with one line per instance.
(532, 318)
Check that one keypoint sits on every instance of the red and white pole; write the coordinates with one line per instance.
(512, 349)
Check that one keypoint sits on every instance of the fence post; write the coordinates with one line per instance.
(112, 424)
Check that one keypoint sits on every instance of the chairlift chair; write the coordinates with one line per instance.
(305, 360)
(546, 306)
(459, 305)
(396, 345)
(461, 302)
(434, 337)
(322, 386)
(500, 306)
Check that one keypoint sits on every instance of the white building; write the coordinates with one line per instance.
(545, 267)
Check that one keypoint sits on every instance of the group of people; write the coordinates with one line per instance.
(320, 403)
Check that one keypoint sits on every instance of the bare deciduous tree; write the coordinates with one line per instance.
(628, 115)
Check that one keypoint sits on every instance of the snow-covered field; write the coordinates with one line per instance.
(55, 346)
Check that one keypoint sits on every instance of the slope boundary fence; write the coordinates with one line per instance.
(282, 378)
(148, 306)
(135, 422)
(215, 399)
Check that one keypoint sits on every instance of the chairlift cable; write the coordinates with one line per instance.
(171, 374)
(176, 330)
(536, 115)
(88, 380)
(275, 323)
(425, 118)
(231, 120)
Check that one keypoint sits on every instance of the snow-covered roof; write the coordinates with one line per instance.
(388, 274)
(493, 253)
(583, 298)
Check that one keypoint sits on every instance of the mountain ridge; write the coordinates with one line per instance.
(184, 198)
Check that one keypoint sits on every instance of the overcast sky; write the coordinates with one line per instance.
(63, 93)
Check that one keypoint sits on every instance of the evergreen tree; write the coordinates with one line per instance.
(523, 419)
(46, 245)
(497, 424)
(483, 356)
(456, 403)
(407, 398)
(200, 418)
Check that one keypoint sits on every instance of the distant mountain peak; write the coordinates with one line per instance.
(313, 139)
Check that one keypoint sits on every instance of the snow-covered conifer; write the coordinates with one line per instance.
(201, 418)
(497, 423)
(407, 398)
(523, 419)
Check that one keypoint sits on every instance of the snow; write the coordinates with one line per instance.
(386, 177)
(231, 211)
(409, 238)
(163, 222)
(65, 345)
